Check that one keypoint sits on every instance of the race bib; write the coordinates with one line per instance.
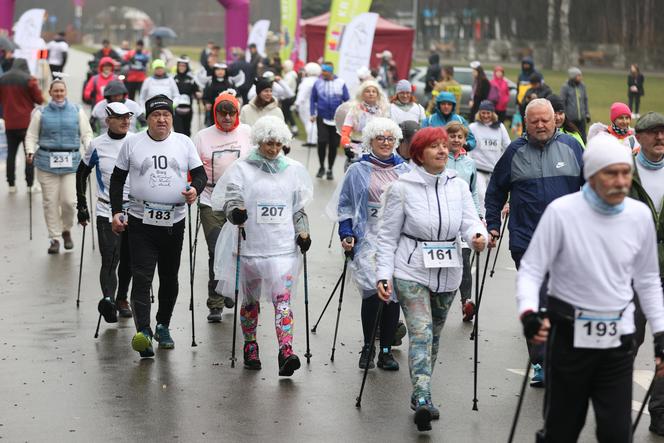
(596, 330)
(61, 160)
(373, 210)
(441, 254)
(271, 212)
(158, 215)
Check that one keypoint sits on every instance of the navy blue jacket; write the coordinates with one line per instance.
(533, 177)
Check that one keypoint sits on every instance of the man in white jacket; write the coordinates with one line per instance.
(598, 247)
(158, 83)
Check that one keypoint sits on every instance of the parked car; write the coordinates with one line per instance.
(464, 76)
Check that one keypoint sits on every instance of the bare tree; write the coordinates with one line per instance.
(565, 43)
(550, 22)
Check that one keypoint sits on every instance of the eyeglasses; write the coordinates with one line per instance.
(227, 113)
(383, 139)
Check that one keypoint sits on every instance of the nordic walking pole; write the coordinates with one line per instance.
(478, 301)
(518, 405)
(348, 255)
(240, 234)
(191, 276)
(500, 242)
(643, 405)
(30, 209)
(306, 304)
(92, 213)
(475, 329)
(198, 227)
(379, 315)
(80, 270)
(341, 277)
(329, 245)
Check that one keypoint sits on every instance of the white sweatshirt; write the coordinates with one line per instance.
(593, 260)
(490, 145)
(154, 86)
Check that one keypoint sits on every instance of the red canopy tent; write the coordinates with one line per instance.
(395, 38)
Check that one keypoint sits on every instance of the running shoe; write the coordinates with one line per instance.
(214, 316)
(367, 356)
(468, 311)
(321, 173)
(538, 376)
(423, 415)
(69, 243)
(435, 413)
(142, 343)
(251, 359)
(288, 362)
(163, 336)
(124, 310)
(386, 360)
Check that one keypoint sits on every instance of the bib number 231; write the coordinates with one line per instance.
(440, 254)
(158, 215)
(596, 330)
(60, 160)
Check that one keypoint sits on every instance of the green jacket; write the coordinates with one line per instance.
(639, 193)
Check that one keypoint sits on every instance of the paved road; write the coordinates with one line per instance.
(58, 383)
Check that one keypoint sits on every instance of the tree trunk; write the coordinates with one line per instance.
(551, 19)
(565, 43)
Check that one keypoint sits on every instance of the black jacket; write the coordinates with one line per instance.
(635, 81)
(214, 88)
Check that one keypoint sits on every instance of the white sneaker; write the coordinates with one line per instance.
(12, 189)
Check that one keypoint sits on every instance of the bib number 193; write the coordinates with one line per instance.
(596, 330)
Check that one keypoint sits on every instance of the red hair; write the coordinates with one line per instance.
(423, 138)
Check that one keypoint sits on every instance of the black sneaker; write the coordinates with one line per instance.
(251, 360)
(423, 415)
(321, 173)
(435, 413)
(288, 362)
(229, 302)
(399, 334)
(214, 316)
(367, 356)
(329, 175)
(386, 360)
(106, 308)
(69, 243)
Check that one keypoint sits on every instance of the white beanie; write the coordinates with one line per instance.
(604, 150)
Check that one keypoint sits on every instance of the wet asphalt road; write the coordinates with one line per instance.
(58, 383)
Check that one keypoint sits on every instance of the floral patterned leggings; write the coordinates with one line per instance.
(283, 319)
(425, 313)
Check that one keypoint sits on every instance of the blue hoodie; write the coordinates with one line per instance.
(438, 119)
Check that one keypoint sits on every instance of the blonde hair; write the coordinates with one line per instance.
(494, 117)
(454, 126)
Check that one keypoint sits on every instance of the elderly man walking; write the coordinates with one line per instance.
(648, 187)
(534, 170)
(596, 245)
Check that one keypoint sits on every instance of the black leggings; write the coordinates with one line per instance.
(388, 323)
(14, 138)
(634, 101)
(328, 141)
(113, 249)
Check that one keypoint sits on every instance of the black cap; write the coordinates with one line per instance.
(535, 77)
(262, 84)
(158, 102)
(556, 103)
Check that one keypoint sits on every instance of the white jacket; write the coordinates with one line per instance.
(424, 207)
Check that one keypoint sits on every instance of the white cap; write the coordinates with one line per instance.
(604, 150)
(117, 109)
(384, 54)
(475, 64)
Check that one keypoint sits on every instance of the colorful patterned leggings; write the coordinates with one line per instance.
(425, 313)
(283, 320)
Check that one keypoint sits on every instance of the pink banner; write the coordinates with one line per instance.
(6, 16)
(237, 24)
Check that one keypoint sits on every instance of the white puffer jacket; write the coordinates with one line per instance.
(420, 206)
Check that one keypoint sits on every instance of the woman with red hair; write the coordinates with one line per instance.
(426, 213)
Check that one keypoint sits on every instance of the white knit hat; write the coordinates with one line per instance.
(604, 150)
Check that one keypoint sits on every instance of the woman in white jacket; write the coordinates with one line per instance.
(418, 251)
(312, 71)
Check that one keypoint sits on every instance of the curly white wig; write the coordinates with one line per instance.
(270, 128)
(371, 83)
(379, 126)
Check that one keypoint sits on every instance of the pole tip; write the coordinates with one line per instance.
(193, 344)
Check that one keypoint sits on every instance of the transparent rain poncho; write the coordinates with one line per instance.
(358, 198)
(274, 193)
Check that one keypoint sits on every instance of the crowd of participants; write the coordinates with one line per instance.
(423, 189)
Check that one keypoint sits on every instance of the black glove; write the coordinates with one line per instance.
(238, 216)
(83, 215)
(532, 322)
(303, 243)
(349, 153)
(659, 345)
(286, 149)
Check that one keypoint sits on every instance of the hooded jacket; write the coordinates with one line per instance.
(533, 177)
(438, 119)
(94, 88)
(19, 93)
(186, 83)
(575, 97)
(525, 74)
